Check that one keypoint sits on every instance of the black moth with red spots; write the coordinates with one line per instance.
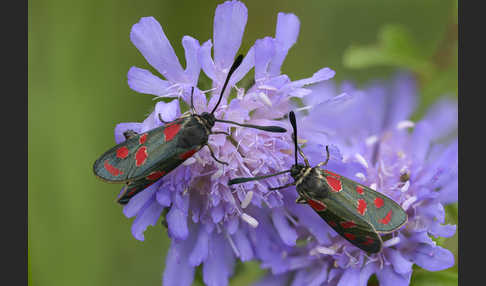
(142, 159)
(357, 212)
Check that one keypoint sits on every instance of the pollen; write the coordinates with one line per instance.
(249, 220)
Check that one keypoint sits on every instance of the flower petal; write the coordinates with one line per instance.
(287, 233)
(400, 264)
(288, 26)
(433, 258)
(206, 61)
(243, 245)
(178, 271)
(388, 277)
(149, 216)
(350, 277)
(143, 81)
(122, 127)
(321, 75)
(177, 222)
(140, 200)
(442, 116)
(168, 111)
(149, 38)
(200, 251)
(245, 66)
(264, 52)
(366, 273)
(229, 25)
(403, 99)
(220, 263)
(193, 67)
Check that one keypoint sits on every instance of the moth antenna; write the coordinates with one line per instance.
(270, 128)
(244, 180)
(294, 126)
(235, 65)
(192, 100)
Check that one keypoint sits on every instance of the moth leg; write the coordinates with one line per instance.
(327, 159)
(129, 134)
(221, 132)
(301, 200)
(214, 157)
(282, 187)
(192, 100)
(162, 120)
(305, 158)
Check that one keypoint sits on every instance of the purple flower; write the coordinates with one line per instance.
(209, 223)
(414, 163)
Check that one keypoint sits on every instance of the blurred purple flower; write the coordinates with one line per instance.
(209, 223)
(414, 163)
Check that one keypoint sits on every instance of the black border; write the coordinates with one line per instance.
(15, 145)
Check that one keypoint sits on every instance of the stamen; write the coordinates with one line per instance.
(267, 87)
(408, 202)
(246, 201)
(360, 176)
(391, 242)
(371, 140)
(405, 124)
(361, 160)
(232, 243)
(189, 161)
(322, 250)
(249, 220)
(405, 187)
(304, 108)
(265, 98)
(217, 174)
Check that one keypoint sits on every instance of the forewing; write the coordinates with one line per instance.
(384, 214)
(141, 154)
(352, 227)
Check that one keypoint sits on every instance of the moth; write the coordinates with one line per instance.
(356, 212)
(142, 159)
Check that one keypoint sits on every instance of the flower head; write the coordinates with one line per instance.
(380, 147)
(209, 223)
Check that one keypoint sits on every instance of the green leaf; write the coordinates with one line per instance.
(396, 48)
(440, 278)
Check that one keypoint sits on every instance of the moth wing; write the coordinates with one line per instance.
(141, 154)
(383, 213)
(350, 226)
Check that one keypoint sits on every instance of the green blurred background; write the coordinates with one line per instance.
(79, 54)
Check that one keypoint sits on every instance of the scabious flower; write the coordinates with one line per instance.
(210, 224)
(375, 143)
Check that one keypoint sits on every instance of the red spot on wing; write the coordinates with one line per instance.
(122, 152)
(335, 184)
(187, 154)
(170, 131)
(142, 138)
(359, 189)
(349, 236)
(332, 223)
(112, 169)
(387, 218)
(141, 156)
(317, 205)
(379, 202)
(361, 206)
(368, 241)
(332, 174)
(155, 175)
(348, 224)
